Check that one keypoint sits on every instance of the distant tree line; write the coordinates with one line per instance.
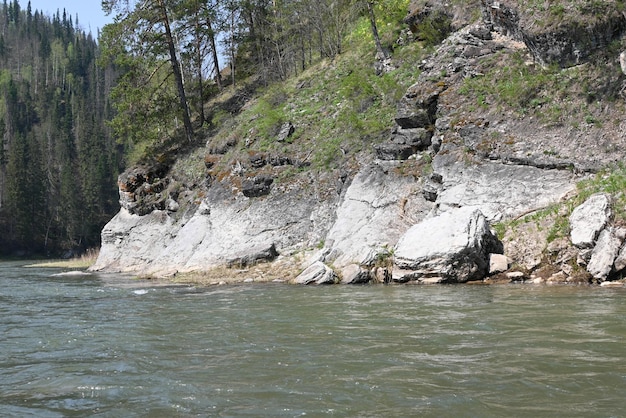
(58, 159)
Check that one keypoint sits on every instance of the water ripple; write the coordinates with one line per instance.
(112, 346)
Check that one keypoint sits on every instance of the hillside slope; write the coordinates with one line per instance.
(518, 104)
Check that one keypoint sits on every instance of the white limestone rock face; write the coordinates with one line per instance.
(225, 229)
(377, 208)
(359, 224)
(588, 219)
(131, 241)
(500, 191)
(452, 247)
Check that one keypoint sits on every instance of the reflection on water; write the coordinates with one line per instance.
(110, 346)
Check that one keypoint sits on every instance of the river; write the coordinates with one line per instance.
(110, 346)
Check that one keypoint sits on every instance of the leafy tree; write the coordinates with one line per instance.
(196, 20)
(145, 32)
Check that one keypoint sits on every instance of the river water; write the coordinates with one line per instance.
(110, 346)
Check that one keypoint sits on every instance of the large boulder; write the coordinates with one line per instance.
(605, 252)
(453, 247)
(588, 219)
(317, 273)
(355, 274)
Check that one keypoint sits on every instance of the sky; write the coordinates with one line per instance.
(90, 14)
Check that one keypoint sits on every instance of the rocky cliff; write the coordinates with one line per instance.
(508, 115)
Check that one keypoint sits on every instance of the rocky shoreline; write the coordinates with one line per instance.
(424, 207)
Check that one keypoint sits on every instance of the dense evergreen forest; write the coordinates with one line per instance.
(58, 159)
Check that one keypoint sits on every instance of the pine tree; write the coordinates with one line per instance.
(53, 110)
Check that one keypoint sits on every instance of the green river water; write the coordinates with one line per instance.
(109, 346)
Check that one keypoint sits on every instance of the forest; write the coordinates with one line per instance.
(58, 160)
(176, 55)
(75, 109)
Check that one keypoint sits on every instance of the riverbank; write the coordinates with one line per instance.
(477, 176)
(84, 261)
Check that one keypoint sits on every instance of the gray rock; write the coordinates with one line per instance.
(516, 275)
(622, 61)
(286, 131)
(377, 208)
(454, 245)
(257, 186)
(254, 256)
(172, 205)
(420, 138)
(480, 32)
(258, 160)
(620, 261)
(409, 117)
(570, 43)
(355, 274)
(317, 273)
(588, 219)
(498, 263)
(498, 190)
(604, 254)
(224, 227)
(390, 152)
(430, 191)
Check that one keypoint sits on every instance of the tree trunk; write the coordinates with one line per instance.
(380, 51)
(216, 63)
(178, 77)
(232, 46)
(199, 68)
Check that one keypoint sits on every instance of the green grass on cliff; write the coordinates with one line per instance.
(556, 14)
(512, 82)
(612, 181)
(339, 107)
